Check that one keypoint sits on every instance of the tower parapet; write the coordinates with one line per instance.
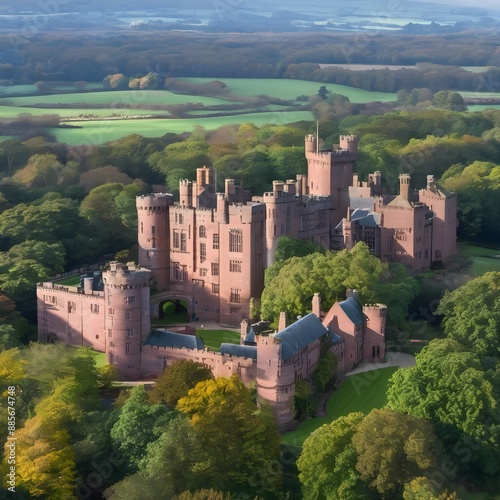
(127, 319)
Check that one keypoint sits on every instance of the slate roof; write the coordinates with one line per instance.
(250, 338)
(243, 351)
(164, 338)
(335, 337)
(300, 334)
(353, 310)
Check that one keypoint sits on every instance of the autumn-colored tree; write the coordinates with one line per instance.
(242, 456)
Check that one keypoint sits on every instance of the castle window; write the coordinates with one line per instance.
(111, 311)
(181, 219)
(202, 232)
(438, 254)
(142, 227)
(234, 310)
(71, 307)
(203, 252)
(128, 315)
(153, 229)
(130, 300)
(235, 295)
(215, 288)
(235, 266)
(215, 269)
(179, 272)
(176, 239)
(183, 241)
(203, 271)
(199, 283)
(235, 240)
(127, 348)
(94, 308)
(130, 332)
(110, 332)
(215, 241)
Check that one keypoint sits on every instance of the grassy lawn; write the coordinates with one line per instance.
(483, 259)
(214, 338)
(362, 392)
(69, 281)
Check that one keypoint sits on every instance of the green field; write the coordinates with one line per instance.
(214, 338)
(361, 392)
(115, 98)
(290, 89)
(483, 259)
(98, 132)
(12, 112)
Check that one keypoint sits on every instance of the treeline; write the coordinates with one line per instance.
(79, 57)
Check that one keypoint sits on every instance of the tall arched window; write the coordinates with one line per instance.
(202, 232)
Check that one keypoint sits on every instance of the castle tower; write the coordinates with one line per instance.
(127, 319)
(374, 335)
(154, 236)
(185, 193)
(275, 384)
(330, 172)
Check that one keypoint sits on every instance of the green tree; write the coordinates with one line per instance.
(449, 387)
(327, 464)
(176, 381)
(293, 287)
(177, 457)
(241, 455)
(137, 426)
(392, 448)
(472, 314)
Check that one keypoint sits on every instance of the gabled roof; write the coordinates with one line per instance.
(164, 338)
(353, 310)
(399, 201)
(335, 337)
(242, 351)
(300, 334)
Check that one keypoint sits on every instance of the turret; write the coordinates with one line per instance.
(185, 193)
(127, 320)
(349, 143)
(311, 144)
(154, 236)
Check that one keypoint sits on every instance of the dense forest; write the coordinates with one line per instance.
(31, 57)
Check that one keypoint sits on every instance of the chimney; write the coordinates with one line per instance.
(352, 292)
(404, 186)
(430, 181)
(316, 305)
(282, 321)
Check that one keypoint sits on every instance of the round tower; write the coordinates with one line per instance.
(154, 236)
(127, 319)
(311, 144)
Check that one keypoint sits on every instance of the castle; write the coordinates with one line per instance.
(209, 251)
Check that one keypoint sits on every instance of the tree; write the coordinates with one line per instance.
(177, 458)
(293, 287)
(241, 455)
(323, 92)
(327, 464)
(392, 448)
(449, 387)
(176, 381)
(128, 436)
(472, 314)
(446, 99)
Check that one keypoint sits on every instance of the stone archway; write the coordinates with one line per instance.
(182, 308)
